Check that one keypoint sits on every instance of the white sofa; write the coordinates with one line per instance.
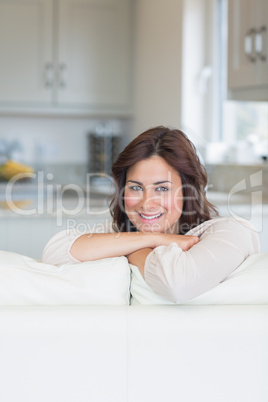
(69, 334)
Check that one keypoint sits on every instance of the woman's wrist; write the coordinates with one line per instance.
(154, 239)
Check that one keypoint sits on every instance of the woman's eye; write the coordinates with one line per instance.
(161, 188)
(136, 188)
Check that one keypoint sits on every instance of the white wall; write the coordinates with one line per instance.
(157, 63)
(199, 90)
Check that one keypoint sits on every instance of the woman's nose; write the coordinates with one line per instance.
(150, 202)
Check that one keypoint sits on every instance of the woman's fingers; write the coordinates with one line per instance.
(185, 242)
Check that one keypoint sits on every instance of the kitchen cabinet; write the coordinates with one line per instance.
(248, 49)
(26, 49)
(65, 54)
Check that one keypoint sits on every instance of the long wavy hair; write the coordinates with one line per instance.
(179, 152)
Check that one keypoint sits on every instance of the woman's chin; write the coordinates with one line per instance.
(150, 229)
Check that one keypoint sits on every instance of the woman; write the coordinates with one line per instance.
(162, 221)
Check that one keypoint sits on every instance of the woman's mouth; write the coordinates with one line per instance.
(150, 217)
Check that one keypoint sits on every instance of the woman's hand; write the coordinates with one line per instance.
(185, 242)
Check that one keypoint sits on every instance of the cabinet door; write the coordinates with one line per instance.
(262, 37)
(25, 51)
(242, 16)
(94, 52)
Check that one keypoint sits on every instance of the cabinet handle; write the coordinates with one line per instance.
(260, 43)
(249, 47)
(49, 75)
(62, 75)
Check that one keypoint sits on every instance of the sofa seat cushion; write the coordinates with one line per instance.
(248, 284)
(25, 281)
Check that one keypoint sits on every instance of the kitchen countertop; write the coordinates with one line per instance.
(41, 200)
(221, 198)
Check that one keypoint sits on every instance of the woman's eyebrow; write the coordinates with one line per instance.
(156, 183)
(135, 181)
(163, 181)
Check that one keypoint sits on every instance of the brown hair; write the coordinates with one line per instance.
(178, 151)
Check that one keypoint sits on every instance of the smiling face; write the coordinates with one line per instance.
(153, 196)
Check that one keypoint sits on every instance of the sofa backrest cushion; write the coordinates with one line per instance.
(25, 281)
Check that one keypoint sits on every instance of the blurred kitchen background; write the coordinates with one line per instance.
(80, 78)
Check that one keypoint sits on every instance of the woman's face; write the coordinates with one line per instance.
(153, 196)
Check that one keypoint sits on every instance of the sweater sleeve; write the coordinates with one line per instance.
(57, 250)
(180, 276)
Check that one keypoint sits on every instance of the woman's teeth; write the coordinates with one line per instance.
(150, 217)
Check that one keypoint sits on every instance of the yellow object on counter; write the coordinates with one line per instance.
(11, 169)
(23, 204)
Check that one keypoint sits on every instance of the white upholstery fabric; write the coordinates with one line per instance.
(63, 353)
(126, 353)
(134, 353)
(198, 353)
(248, 284)
(24, 281)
